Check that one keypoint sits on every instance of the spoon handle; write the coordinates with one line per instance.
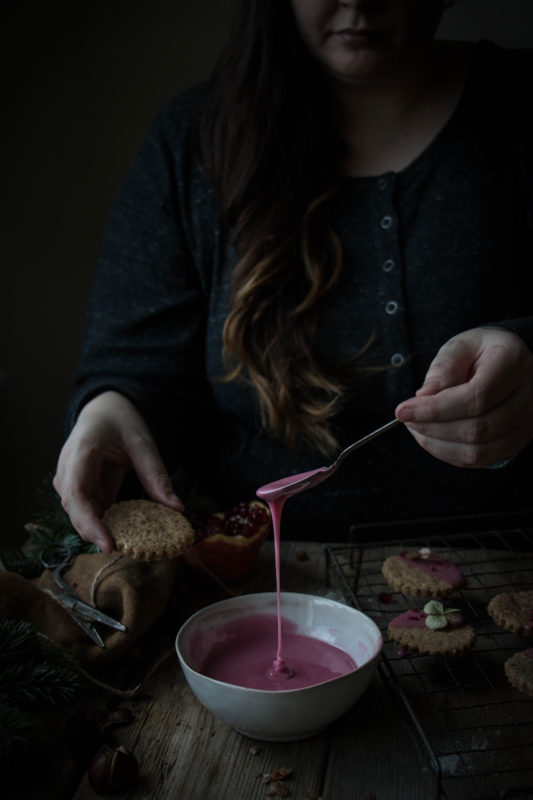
(360, 442)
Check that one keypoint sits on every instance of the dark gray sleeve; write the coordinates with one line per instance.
(146, 315)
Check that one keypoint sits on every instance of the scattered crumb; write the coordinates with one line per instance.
(254, 751)
(301, 555)
(277, 775)
(278, 789)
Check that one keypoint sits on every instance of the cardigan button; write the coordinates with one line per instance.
(397, 359)
(385, 222)
(388, 265)
(391, 307)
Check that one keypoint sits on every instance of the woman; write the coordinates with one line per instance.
(340, 217)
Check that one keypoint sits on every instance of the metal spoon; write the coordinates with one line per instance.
(294, 484)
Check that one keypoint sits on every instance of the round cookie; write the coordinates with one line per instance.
(147, 530)
(421, 573)
(519, 671)
(410, 630)
(513, 611)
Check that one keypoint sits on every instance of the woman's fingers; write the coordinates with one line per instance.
(109, 438)
(487, 417)
(85, 491)
(461, 453)
(144, 457)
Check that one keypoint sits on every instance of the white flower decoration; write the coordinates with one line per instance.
(440, 617)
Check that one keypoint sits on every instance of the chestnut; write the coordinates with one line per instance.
(113, 770)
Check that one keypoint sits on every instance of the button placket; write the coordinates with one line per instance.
(394, 327)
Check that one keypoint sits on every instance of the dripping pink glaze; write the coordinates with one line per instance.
(414, 618)
(246, 658)
(314, 650)
(438, 567)
(276, 507)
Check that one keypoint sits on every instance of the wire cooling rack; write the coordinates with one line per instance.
(475, 729)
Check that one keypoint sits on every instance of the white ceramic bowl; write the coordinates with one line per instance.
(292, 713)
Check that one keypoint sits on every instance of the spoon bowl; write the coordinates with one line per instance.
(294, 484)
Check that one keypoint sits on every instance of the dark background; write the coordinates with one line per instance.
(82, 82)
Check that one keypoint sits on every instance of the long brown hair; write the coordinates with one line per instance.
(269, 141)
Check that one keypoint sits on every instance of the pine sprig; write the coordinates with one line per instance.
(14, 559)
(19, 731)
(50, 526)
(18, 641)
(40, 684)
(36, 676)
(34, 670)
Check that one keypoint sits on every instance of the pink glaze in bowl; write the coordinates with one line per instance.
(288, 714)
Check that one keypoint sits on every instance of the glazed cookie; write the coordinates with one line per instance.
(513, 611)
(421, 573)
(432, 631)
(519, 671)
(149, 531)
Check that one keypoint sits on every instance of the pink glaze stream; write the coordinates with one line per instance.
(246, 658)
(276, 507)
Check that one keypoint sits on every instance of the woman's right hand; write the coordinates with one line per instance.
(109, 438)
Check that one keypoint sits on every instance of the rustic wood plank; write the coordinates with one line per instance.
(369, 754)
(373, 756)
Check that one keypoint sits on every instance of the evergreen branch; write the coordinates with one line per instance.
(18, 641)
(19, 730)
(50, 526)
(14, 559)
(36, 671)
(40, 684)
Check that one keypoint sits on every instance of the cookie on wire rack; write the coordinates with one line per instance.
(513, 611)
(432, 631)
(147, 530)
(519, 671)
(422, 573)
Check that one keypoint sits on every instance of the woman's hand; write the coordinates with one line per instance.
(109, 438)
(475, 407)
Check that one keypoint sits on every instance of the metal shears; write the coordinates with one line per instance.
(56, 557)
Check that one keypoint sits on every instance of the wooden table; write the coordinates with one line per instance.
(372, 753)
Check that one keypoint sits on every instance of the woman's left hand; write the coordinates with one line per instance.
(475, 407)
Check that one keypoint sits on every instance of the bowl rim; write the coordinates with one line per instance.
(234, 601)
